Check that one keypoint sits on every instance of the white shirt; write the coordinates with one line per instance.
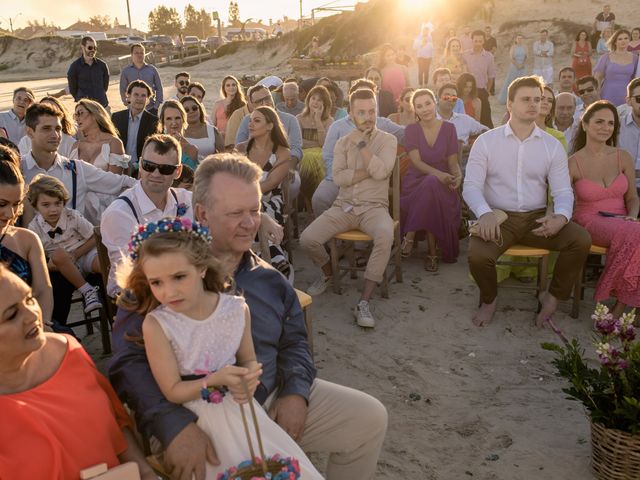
(506, 173)
(13, 125)
(88, 178)
(466, 126)
(65, 148)
(539, 61)
(118, 222)
(76, 230)
(629, 139)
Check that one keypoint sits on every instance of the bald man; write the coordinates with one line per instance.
(291, 104)
(565, 110)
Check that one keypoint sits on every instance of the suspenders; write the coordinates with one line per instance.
(128, 201)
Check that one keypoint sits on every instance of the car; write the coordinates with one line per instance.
(213, 43)
(158, 41)
(131, 40)
(190, 41)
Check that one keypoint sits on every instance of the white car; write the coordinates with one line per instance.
(130, 40)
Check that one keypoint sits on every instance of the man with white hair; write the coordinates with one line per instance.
(564, 119)
(291, 103)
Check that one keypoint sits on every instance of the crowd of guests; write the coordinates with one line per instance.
(563, 166)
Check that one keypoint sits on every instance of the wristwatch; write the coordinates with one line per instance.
(361, 144)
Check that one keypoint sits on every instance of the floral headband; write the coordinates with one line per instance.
(175, 225)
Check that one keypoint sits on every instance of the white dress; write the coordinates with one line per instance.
(206, 346)
(207, 145)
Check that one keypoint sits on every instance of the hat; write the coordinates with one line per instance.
(270, 82)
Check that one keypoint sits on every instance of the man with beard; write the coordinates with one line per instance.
(183, 79)
(12, 121)
(88, 76)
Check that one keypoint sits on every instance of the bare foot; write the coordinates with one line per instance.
(549, 306)
(484, 315)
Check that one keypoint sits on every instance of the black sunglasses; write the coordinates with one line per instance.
(192, 109)
(183, 82)
(149, 166)
(90, 47)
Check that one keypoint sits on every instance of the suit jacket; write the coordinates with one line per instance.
(148, 126)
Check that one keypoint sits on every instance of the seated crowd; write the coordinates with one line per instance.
(563, 167)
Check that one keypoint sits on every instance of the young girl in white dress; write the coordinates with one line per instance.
(194, 331)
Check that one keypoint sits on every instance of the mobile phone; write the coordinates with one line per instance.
(608, 214)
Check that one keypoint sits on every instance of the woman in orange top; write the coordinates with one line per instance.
(59, 415)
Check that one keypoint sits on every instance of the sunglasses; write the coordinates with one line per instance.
(149, 166)
(449, 98)
(192, 109)
(90, 48)
(582, 91)
(183, 82)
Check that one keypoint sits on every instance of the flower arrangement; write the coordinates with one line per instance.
(285, 469)
(610, 393)
(176, 225)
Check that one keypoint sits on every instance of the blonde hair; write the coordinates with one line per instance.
(46, 185)
(98, 112)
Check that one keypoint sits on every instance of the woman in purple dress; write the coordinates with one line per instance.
(616, 69)
(429, 200)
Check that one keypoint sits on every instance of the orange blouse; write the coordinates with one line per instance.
(72, 421)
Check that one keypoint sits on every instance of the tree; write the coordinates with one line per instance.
(196, 22)
(100, 23)
(234, 14)
(164, 21)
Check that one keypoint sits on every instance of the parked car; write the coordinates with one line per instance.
(191, 41)
(130, 40)
(214, 43)
(158, 41)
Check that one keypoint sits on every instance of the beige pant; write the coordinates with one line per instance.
(375, 222)
(348, 424)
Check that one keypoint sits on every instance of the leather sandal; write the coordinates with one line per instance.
(406, 248)
(431, 263)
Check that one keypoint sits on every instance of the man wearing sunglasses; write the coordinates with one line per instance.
(466, 126)
(88, 76)
(588, 91)
(183, 79)
(629, 138)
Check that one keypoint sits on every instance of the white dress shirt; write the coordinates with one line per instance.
(466, 126)
(118, 222)
(76, 230)
(513, 175)
(64, 149)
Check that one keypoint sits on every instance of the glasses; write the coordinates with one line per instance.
(449, 98)
(262, 101)
(90, 48)
(582, 91)
(192, 109)
(149, 166)
(183, 82)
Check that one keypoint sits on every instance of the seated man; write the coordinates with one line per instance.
(321, 416)
(510, 168)
(466, 126)
(362, 164)
(564, 120)
(291, 103)
(629, 138)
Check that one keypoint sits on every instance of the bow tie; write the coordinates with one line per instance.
(54, 232)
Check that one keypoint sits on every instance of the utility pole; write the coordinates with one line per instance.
(129, 15)
(300, 22)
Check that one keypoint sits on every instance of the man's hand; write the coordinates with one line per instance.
(187, 453)
(550, 225)
(290, 412)
(356, 136)
(489, 228)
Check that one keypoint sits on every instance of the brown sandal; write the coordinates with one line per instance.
(431, 263)
(406, 248)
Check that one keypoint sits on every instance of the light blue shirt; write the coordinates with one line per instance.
(149, 74)
(342, 127)
(629, 139)
(291, 126)
(459, 107)
(13, 125)
(132, 137)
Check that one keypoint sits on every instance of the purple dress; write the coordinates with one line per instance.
(616, 78)
(426, 205)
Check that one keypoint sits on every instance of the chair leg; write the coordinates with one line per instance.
(104, 331)
(335, 268)
(398, 257)
(578, 291)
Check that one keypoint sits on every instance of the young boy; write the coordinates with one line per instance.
(67, 237)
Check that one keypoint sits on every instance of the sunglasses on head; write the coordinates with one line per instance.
(149, 166)
(582, 91)
(449, 98)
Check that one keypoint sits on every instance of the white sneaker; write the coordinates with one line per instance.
(319, 286)
(91, 300)
(363, 315)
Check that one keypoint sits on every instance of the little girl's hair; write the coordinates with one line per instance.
(131, 278)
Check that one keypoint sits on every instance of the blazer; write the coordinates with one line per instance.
(148, 126)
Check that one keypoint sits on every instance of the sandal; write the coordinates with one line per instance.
(406, 248)
(431, 263)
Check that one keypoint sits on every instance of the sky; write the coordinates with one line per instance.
(65, 13)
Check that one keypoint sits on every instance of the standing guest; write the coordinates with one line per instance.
(567, 83)
(616, 69)
(196, 90)
(88, 76)
(173, 121)
(363, 162)
(231, 99)
(423, 46)
(498, 159)
(12, 121)
(604, 180)
(141, 70)
(564, 119)
(603, 42)
(204, 136)
(518, 66)
(468, 95)
(481, 65)
(68, 139)
(405, 114)
(605, 19)
(629, 138)
(466, 39)
(394, 76)
(182, 81)
(452, 59)
(543, 51)
(466, 126)
(385, 101)
(581, 52)
(135, 123)
(634, 44)
(441, 77)
(546, 115)
(291, 103)
(490, 43)
(429, 200)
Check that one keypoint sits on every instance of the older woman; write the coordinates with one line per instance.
(602, 47)
(59, 414)
(452, 58)
(581, 53)
(616, 68)
(173, 119)
(429, 200)
(204, 136)
(232, 99)
(634, 44)
(517, 67)
(68, 139)
(607, 203)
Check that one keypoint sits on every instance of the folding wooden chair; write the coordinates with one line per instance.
(581, 282)
(542, 264)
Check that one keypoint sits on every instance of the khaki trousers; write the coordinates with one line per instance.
(375, 222)
(572, 241)
(348, 424)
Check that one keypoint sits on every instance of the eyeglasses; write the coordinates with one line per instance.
(582, 91)
(149, 166)
(192, 109)
(449, 98)
(262, 101)
(183, 82)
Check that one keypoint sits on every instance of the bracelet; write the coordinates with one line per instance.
(212, 394)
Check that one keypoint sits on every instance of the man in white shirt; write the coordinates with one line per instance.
(12, 121)
(629, 138)
(564, 120)
(466, 126)
(510, 168)
(150, 199)
(543, 57)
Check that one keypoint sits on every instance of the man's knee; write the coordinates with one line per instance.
(479, 255)
(580, 240)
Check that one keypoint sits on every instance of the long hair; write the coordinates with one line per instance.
(278, 135)
(98, 112)
(403, 93)
(580, 139)
(130, 273)
(586, 33)
(190, 98)
(548, 120)
(382, 53)
(611, 43)
(172, 104)
(463, 79)
(66, 120)
(238, 101)
(447, 49)
(325, 96)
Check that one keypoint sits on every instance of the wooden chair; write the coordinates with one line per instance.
(542, 264)
(105, 267)
(125, 471)
(290, 215)
(581, 282)
(100, 316)
(350, 237)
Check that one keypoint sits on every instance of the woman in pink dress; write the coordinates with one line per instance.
(394, 75)
(231, 99)
(607, 204)
(581, 54)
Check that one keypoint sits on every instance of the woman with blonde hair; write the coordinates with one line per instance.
(231, 99)
(452, 58)
(517, 67)
(602, 46)
(173, 121)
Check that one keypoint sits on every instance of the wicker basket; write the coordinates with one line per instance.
(615, 454)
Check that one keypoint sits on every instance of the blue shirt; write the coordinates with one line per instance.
(459, 107)
(131, 148)
(13, 125)
(89, 81)
(279, 336)
(629, 139)
(342, 127)
(291, 126)
(149, 74)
